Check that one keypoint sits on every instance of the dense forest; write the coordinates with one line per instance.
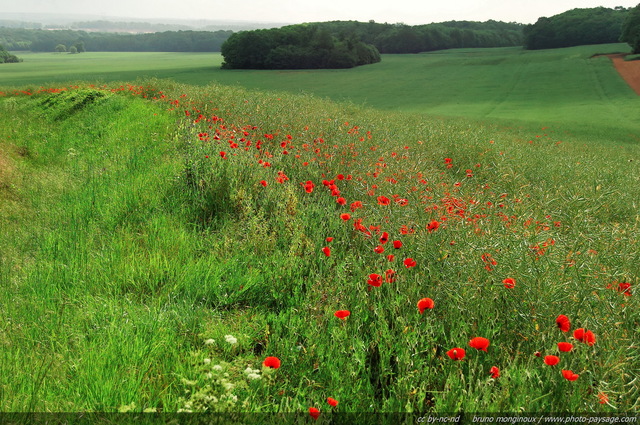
(576, 27)
(38, 40)
(387, 38)
(296, 47)
(401, 38)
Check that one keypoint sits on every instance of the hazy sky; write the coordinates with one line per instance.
(296, 11)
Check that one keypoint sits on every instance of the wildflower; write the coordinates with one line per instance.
(625, 288)
(327, 251)
(584, 336)
(433, 226)
(308, 186)
(379, 249)
(509, 283)
(389, 276)
(315, 413)
(563, 323)
(425, 303)
(223, 155)
(263, 183)
(332, 402)
(209, 341)
(384, 238)
(397, 244)
(342, 314)
(479, 343)
(355, 205)
(569, 375)
(272, 362)
(345, 216)
(375, 280)
(565, 346)
(391, 257)
(456, 353)
(341, 201)
(383, 200)
(495, 372)
(603, 398)
(329, 239)
(409, 262)
(551, 360)
(231, 339)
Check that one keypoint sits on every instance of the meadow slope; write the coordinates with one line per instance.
(181, 248)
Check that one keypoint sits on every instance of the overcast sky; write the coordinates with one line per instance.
(296, 11)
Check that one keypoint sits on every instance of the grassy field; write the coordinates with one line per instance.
(162, 244)
(542, 88)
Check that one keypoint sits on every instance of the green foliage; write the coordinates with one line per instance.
(38, 40)
(631, 29)
(576, 27)
(295, 47)
(6, 57)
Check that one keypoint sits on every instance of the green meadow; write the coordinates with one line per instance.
(450, 233)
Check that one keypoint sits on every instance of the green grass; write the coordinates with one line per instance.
(518, 87)
(131, 249)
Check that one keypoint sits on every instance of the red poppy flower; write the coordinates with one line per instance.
(425, 303)
(272, 362)
(397, 244)
(332, 402)
(341, 201)
(389, 276)
(391, 257)
(383, 200)
(223, 155)
(569, 375)
(479, 343)
(355, 205)
(263, 183)
(409, 262)
(625, 288)
(603, 398)
(327, 251)
(495, 372)
(563, 323)
(509, 283)
(456, 353)
(345, 216)
(314, 413)
(584, 336)
(374, 279)
(308, 186)
(329, 239)
(551, 360)
(342, 314)
(433, 226)
(379, 249)
(384, 238)
(565, 346)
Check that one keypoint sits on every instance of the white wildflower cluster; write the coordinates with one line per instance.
(231, 339)
(252, 374)
(215, 395)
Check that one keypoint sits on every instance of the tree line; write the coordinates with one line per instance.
(576, 27)
(295, 47)
(631, 29)
(39, 40)
(6, 57)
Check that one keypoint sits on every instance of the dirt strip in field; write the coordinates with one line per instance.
(629, 70)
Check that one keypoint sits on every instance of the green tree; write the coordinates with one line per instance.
(61, 48)
(631, 29)
(73, 50)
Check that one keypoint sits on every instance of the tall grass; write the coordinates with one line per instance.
(150, 268)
